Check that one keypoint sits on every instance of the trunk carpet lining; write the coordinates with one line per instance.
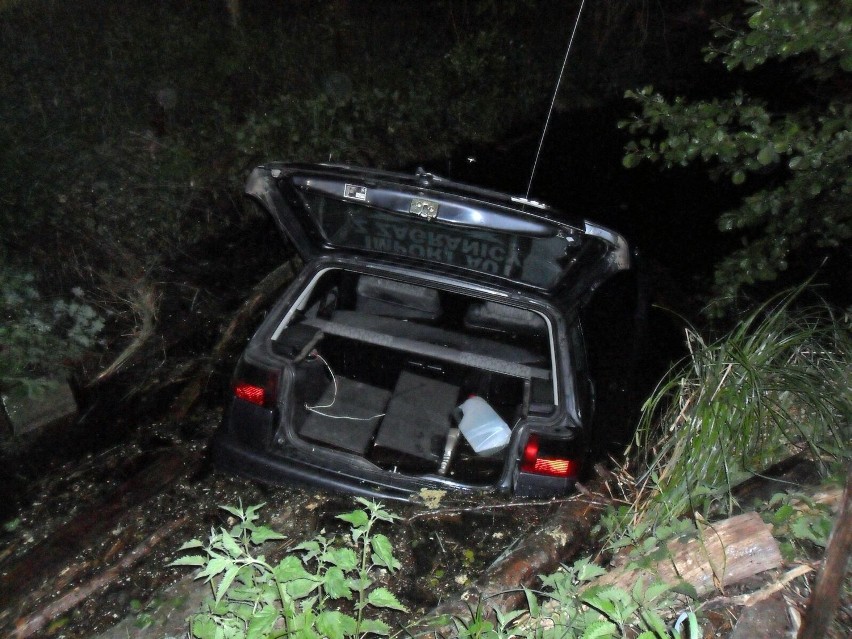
(418, 418)
(330, 425)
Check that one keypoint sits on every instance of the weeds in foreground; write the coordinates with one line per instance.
(301, 595)
(297, 596)
(576, 608)
(778, 385)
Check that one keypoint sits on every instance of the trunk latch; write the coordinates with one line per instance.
(424, 208)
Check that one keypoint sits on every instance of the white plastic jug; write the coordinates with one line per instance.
(484, 429)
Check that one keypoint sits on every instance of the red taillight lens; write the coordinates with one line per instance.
(530, 453)
(250, 393)
(539, 461)
(256, 385)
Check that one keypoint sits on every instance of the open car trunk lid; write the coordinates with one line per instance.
(435, 224)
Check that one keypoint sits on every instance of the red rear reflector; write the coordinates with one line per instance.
(250, 393)
(532, 462)
(555, 467)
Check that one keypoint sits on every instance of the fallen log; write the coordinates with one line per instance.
(562, 536)
(28, 626)
(259, 298)
(751, 598)
(49, 556)
(726, 552)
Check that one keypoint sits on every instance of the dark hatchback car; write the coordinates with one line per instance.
(432, 340)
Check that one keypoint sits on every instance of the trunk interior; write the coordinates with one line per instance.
(386, 370)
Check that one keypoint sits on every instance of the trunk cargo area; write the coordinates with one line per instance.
(382, 366)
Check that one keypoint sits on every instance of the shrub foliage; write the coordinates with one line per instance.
(790, 150)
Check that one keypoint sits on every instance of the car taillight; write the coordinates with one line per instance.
(544, 457)
(250, 393)
(255, 385)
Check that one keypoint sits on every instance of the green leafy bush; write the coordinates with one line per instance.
(326, 587)
(796, 151)
(301, 595)
(797, 520)
(570, 606)
(39, 337)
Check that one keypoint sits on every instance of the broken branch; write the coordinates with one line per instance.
(28, 626)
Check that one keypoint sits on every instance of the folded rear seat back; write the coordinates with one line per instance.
(390, 298)
(502, 318)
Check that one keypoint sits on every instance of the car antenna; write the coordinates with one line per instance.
(555, 93)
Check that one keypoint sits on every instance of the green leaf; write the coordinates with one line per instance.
(251, 511)
(686, 589)
(290, 568)
(214, 567)
(655, 590)
(783, 514)
(358, 518)
(235, 511)
(599, 629)
(505, 618)
(694, 629)
(383, 552)
(264, 533)
(738, 177)
(532, 602)
(630, 160)
(203, 627)
(767, 155)
(190, 560)
(336, 625)
(374, 626)
(231, 546)
(305, 632)
(588, 571)
(227, 580)
(299, 588)
(336, 585)
(343, 558)
(311, 548)
(384, 598)
(655, 622)
(261, 622)
(192, 543)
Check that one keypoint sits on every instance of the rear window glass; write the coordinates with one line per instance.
(533, 260)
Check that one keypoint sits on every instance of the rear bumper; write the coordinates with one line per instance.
(233, 456)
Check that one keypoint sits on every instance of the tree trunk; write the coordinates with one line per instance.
(48, 557)
(826, 593)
